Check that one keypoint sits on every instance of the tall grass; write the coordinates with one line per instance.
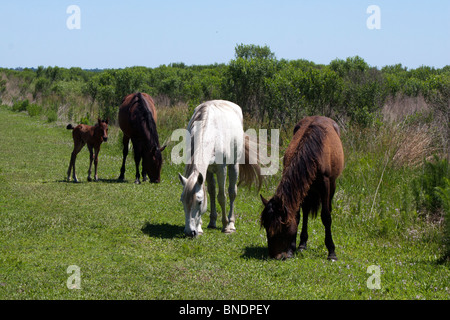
(375, 188)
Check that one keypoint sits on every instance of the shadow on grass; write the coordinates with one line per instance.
(164, 230)
(112, 181)
(80, 181)
(258, 253)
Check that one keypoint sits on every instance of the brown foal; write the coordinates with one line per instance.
(93, 136)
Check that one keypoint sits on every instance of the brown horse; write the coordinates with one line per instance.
(137, 119)
(93, 136)
(312, 162)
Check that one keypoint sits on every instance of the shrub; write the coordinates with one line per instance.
(20, 106)
(42, 86)
(431, 188)
(2, 86)
(444, 195)
(247, 76)
(52, 116)
(86, 119)
(109, 112)
(34, 110)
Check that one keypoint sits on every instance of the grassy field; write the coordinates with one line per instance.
(128, 243)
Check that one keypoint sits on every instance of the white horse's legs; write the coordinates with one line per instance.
(233, 173)
(221, 172)
(199, 226)
(221, 175)
(211, 182)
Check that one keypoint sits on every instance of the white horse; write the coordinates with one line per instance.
(217, 144)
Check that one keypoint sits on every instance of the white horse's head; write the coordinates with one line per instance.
(194, 202)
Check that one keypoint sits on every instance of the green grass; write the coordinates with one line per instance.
(128, 239)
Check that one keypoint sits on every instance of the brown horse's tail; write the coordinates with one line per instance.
(250, 171)
(69, 127)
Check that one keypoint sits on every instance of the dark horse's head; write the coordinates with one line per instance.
(101, 129)
(153, 163)
(152, 157)
(281, 230)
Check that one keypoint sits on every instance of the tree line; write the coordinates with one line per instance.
(272, 91)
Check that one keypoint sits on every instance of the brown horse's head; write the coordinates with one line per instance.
(152, 162)
(280, 228)
(102, 129)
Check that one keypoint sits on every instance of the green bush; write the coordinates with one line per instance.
(34, 110)
(52, 116)
(247, 77)
(2, 87)
(86, 119)
(444, 195)
(431, 188)
(20, 106)
(109, 112)
(42, 86)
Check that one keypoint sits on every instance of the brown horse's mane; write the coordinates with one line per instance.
(301, 171)
(149, 120)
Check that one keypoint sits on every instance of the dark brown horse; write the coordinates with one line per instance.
(312, 162)
(137, 119)
(93, 136)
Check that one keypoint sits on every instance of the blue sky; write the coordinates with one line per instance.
(118, 34)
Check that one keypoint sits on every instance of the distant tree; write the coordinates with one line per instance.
(252, 51)
(247, 75)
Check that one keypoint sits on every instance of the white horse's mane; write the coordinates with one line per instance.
(200, 120)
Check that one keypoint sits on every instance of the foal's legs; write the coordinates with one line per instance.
(211, 182)
(76, 149)
(233, 173)
(126, 141)
(91, 158)
(326, 195)
(96, 150)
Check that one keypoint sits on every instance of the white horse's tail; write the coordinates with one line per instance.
(250, 172)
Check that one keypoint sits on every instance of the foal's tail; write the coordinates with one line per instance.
(69, 127)
(250, 171)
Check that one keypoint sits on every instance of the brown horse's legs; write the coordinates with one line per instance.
(73, 157)
(97, 150)
(137, 160)
(69, 170)
(304, 233)
(91, 158)
(144, 174)
(326, 218)
(332, 190)
(126, 141)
